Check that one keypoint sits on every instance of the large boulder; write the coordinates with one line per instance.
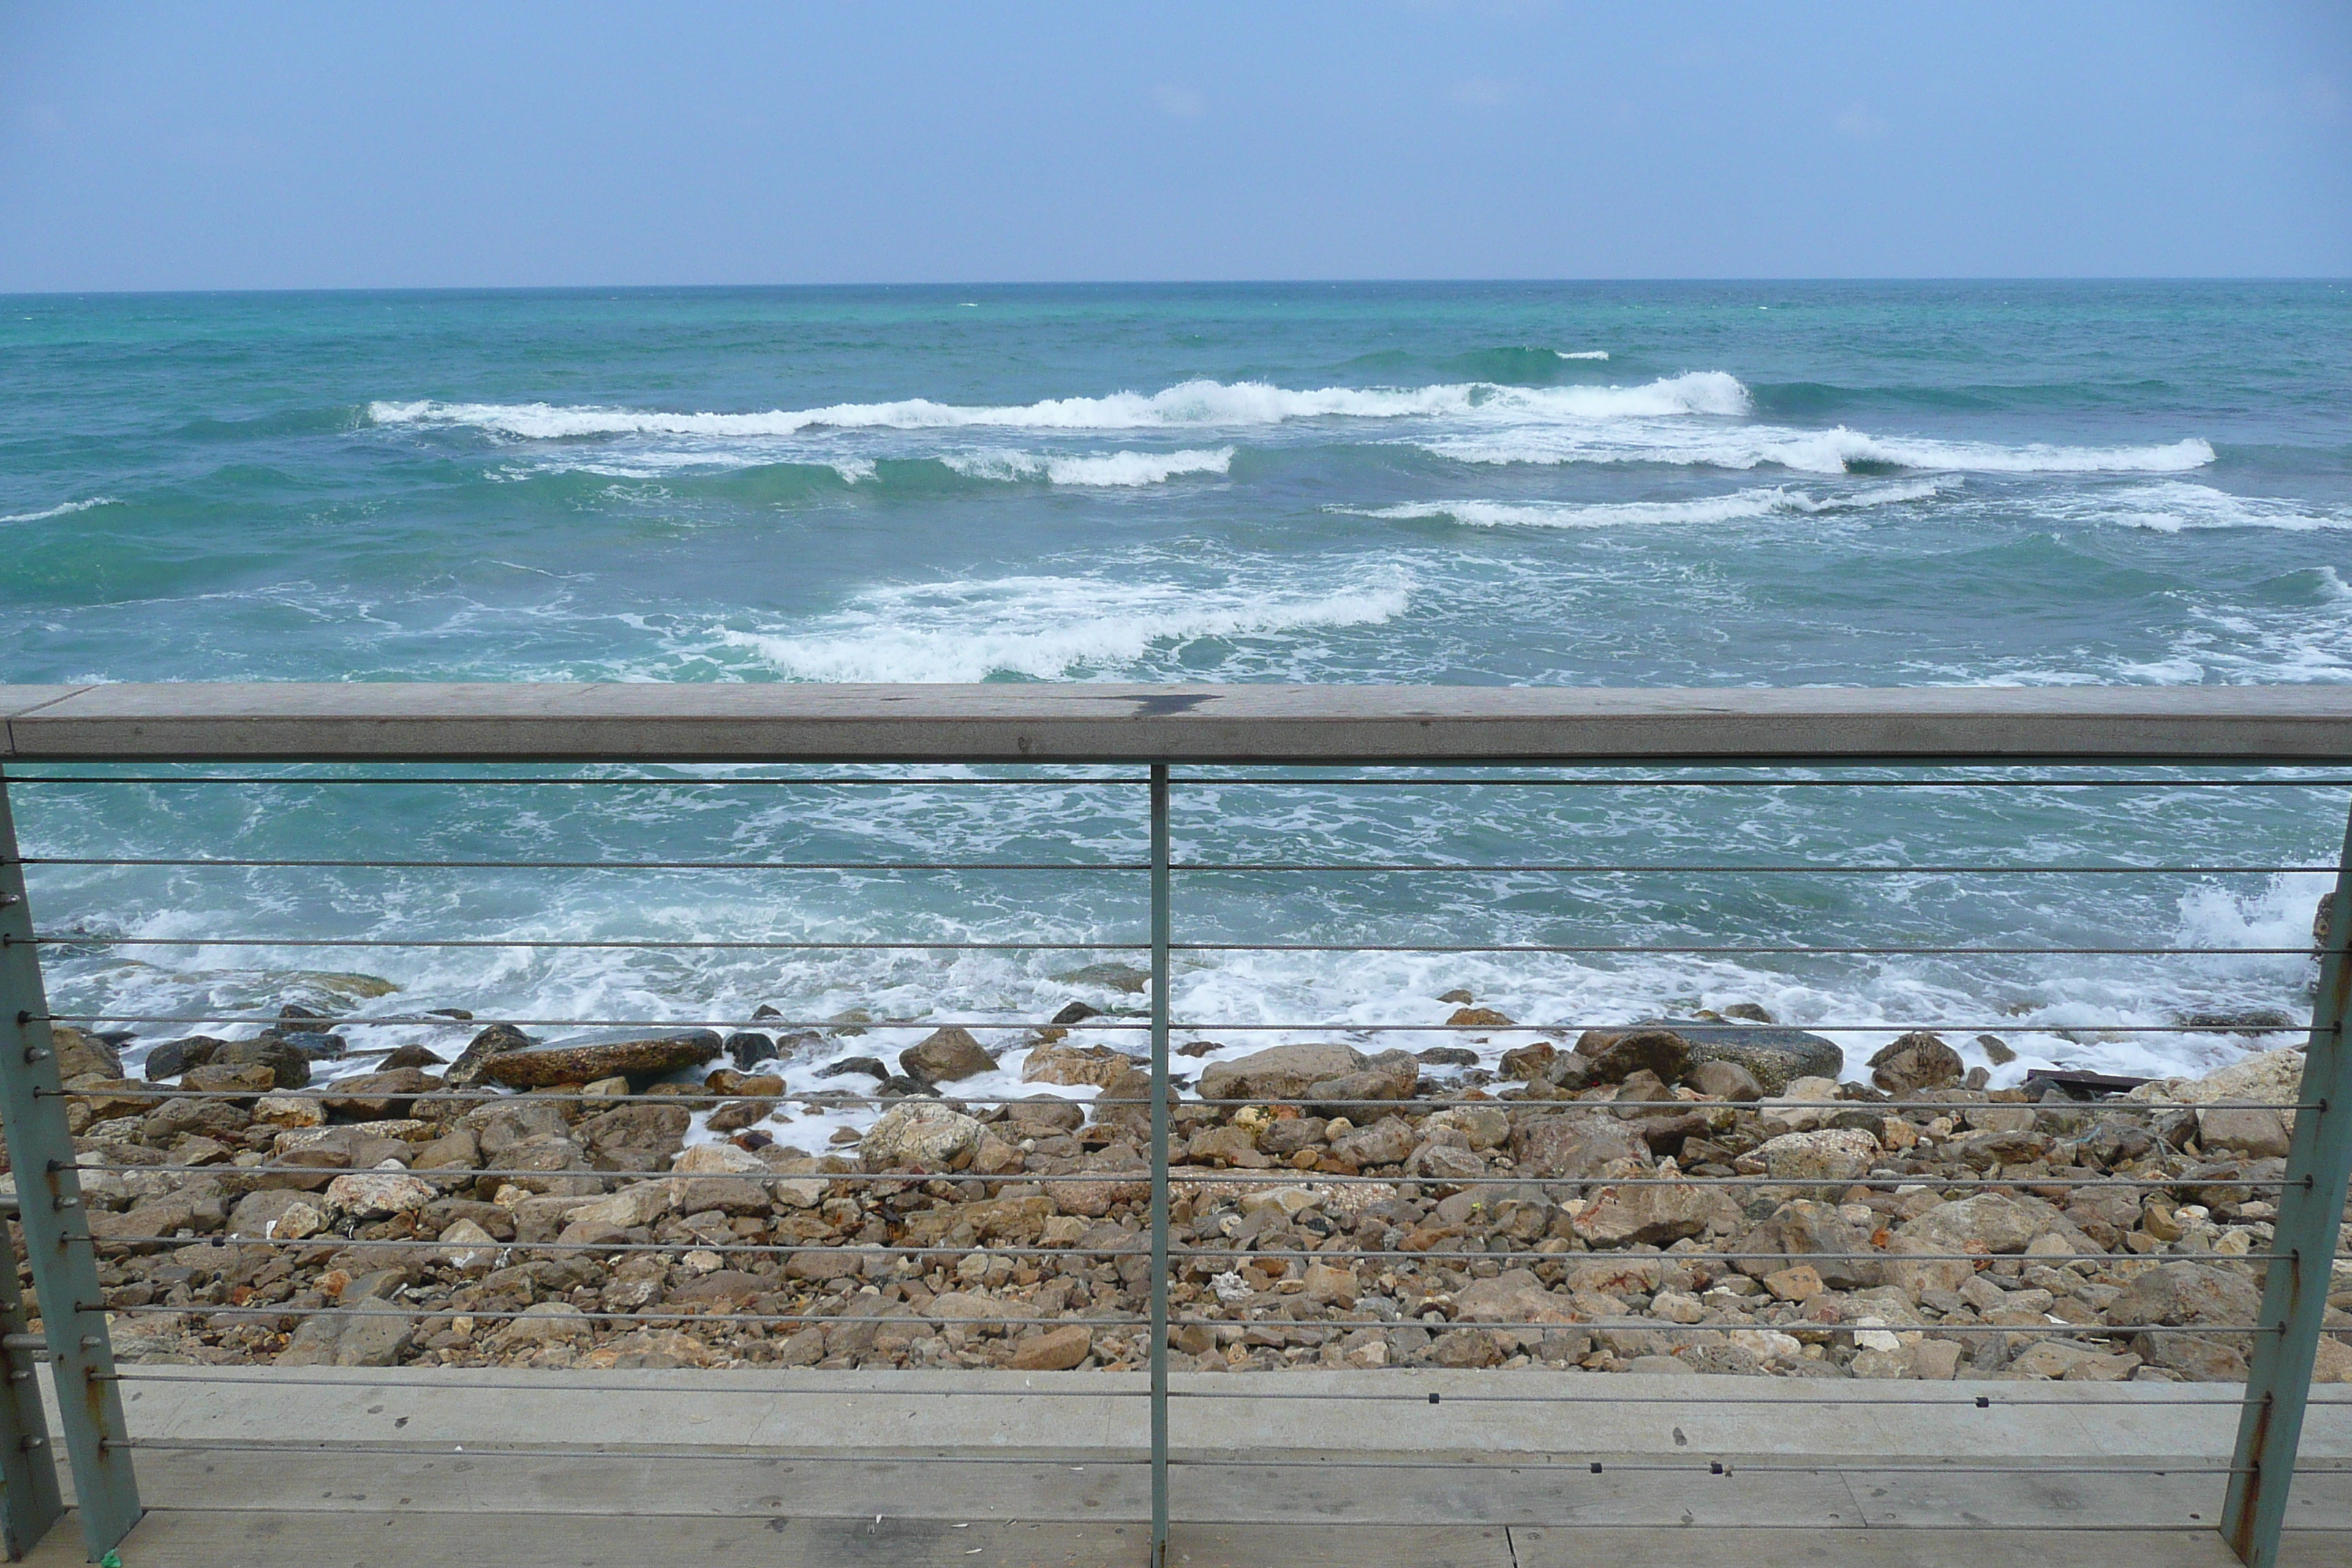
(1573, 1146)
(944, 1055)
(1076, 1064)
(1775, 1055)
(1915, 1062)
(1278, 1072)
(81, 1053)
(921, 1132)
(639, 1062)
(2188, 1293)
(1661, 1052)
(1829, 1155)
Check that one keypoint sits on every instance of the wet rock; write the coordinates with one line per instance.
(945, 1055)
(923, 1133)
(871, 1066)
(170, 1058)
(1479, 1018)
(1915, 1062)
(1996, 1049)
(640, 1061)
(746, 1047)
(409, 1056)
(1660, 1052)
(288, 1066)
(1125, 978)
(497, 1040)
(1278, 1072)
(1725, 1080)
(1776, 1056)
(1448, 1057)
(228, 1078)
(378, 1095)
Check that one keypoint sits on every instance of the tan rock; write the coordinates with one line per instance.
(1799, 1283)
(1054, 1350)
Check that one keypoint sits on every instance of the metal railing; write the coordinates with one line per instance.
(1208, 741)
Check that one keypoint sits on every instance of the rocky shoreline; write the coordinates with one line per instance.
(1696, 1196)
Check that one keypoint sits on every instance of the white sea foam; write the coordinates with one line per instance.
(1833, 451)
(1121, 469)
(1738, 506)
(2174, 506)
(1581, 354)
(63, 510)
(1192, 403)
(1047, 627)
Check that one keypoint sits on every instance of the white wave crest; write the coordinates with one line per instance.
(1193, 402)
(1833, 451)
(1047, 627)
(1581, 354)
(2173, 506)
(1105, 468)
(1739, 506)
(64, 509)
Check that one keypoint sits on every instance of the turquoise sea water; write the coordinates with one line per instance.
(1623, 484)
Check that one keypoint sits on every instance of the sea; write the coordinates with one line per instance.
(1618, 484)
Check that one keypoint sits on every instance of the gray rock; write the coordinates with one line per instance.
(747, 1046)
(288, 1065)
(1661, 1052)
(1279, 1072)
(1915, 1062)
(492, 1042)
(1776, 1056)
(170, 1058)
(1574, 1146)
(1725, 1080)
(2186, 1293)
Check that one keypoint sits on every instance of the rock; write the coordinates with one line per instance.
(226, 1078)
(1514, 1295)
(289, 1068)
(2255, 1133)
(2265, 1077)
(1331, 1285)
(1391, 1075)
(262, 1214)
(81, 1054)
(2186, 1293)
(1776, 1057)
(468, 1247)
(633, 1137)
(945, 1055)
(378, 1095)
(746, 1047)
(1523, 1064)
(366, 1332)
(1233, 1146)
(1063, 1064)
(1465, 1348)
(1056, 1350)
(1800, 1282)
(1444, 1162)
(410, 1056)
(1125, 978)
(1278, 1072)
(1996, 1051)
(1447, 1057)
(1478, 1018)
(377, 1194)
(1915, 1062)
(640, 1061)
(1387, 1141)
(546, 1323)
(1725, 1080)
(639, 1203)
(290, 1110)
(1661, 1052)
(1574, 1146)
(1832, 1154)
(494, 1041)
(170, 1058)
(1654, 1216)
(872, 1067)
(1072, 1014)
(1487, 1126)
(924, 1133)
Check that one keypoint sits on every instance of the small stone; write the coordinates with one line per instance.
(290, 1110)
(919, 1133)
(1725, 1080)
(1799, 1283)
(1936, 1361)
(468, 1247)
(377, 1194)
(1478, 1018)
(1832, 1154)
(1996, 1049)
(1330, 1286)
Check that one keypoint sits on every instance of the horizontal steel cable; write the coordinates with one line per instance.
(1138, 1249)
(227, 1376)
(1559, 868)
(56, 939)
(1298, 781)
(406, 1020)
(1288, 1178)
(590, 864)
(592, 1316)
(643, 781)
(596, 1451)
(1727, 1468)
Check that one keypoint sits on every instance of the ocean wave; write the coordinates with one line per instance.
(1834, 451)
(63, 508)
(2175, 506)
(1047, 627)
(1192, 403)
(1583, 354)
(1739, 506)
(1102, 469)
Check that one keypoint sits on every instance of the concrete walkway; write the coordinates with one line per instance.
(326, 1467)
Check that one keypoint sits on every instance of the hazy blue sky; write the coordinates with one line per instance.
(305, 145)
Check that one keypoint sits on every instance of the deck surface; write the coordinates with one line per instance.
(332, 1469)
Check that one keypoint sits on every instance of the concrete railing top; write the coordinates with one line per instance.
(1131, 723)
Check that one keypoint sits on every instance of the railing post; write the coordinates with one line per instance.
(2294, 1295)
(57, 1225)
(1160, 930)
(30, 1503)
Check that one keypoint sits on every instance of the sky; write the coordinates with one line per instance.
(357, 145)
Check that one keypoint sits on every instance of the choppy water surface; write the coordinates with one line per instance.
(1622, 485)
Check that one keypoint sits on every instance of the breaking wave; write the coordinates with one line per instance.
(1736, 507)
(63, 510)
(1103, 469)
